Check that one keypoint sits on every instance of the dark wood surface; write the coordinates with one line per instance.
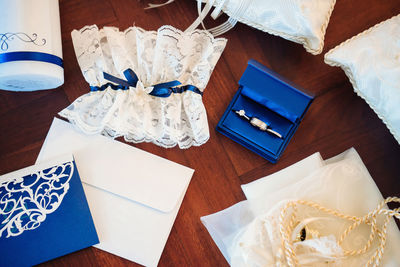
(336, 121)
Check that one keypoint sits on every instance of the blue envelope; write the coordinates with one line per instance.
(43, 214)
(265, 95)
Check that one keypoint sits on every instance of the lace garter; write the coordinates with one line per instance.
(145, 85)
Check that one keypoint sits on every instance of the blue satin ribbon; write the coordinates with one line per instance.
(166, 89)
(159, 90)
(131, 80)
(31, 56)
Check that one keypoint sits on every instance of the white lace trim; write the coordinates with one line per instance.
(156, 57)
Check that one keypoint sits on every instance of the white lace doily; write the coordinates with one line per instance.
(156, 57)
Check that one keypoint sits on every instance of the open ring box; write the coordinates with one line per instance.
(269, 97)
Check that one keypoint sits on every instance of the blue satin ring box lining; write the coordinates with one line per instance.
(269, 97)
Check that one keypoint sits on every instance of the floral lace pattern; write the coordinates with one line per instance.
(156, 57)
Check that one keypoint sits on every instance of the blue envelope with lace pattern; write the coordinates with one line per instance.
(43, 214)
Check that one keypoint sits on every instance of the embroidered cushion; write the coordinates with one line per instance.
(371, 60)
(300, 21)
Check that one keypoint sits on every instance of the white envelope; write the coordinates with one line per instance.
(134, 196)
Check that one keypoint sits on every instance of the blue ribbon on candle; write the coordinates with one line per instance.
(159, 90)
(31, 56)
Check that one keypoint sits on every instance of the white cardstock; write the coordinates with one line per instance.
(134, 196)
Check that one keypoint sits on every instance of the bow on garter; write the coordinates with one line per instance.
(159, 90)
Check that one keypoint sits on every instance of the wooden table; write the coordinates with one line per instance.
(336, 121)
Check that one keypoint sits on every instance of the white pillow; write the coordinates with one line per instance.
(300, 21)
(371, 60)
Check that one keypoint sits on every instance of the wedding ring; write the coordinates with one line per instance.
(274, 132)
(242, 113)
(259, 124)
(256, 122)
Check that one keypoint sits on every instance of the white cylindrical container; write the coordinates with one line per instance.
(30, 45)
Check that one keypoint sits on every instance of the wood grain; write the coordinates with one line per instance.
(336, 121)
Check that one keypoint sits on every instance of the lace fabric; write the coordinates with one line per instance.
(371, 60)
(156, 57)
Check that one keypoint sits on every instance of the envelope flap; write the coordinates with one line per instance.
(133, 174)
(120, 169)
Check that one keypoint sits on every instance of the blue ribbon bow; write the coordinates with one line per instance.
(159, 90)
(131, 80)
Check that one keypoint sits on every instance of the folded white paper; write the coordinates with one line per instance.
(134, 196)
(332, 185)
(266, 185)
(224, 225)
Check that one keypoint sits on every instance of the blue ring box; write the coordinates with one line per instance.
(269, 97)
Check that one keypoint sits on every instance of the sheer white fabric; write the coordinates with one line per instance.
(260, 243)
(371, 60)
(156, 57)
(300, 21)
(248, 232)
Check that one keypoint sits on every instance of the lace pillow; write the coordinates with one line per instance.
(300, 21)
(371, 60)
(147, 60)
